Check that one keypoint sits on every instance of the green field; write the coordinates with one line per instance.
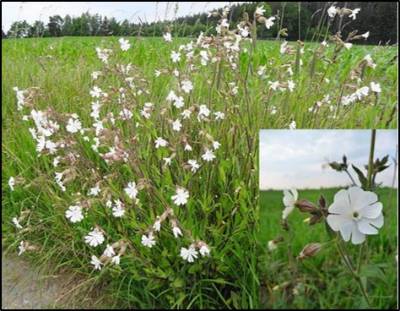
(223, 207)
(324, 280)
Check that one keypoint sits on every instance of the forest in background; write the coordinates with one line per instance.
(380, 18)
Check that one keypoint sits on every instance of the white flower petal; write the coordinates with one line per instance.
(365, 227)
(356, 236)
(371, 211)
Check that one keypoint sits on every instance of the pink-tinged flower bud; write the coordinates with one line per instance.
(309, 250)
(305, 206)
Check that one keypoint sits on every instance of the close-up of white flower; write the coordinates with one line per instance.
(74, 213)
(131, 190)
(269, 22)
(176, 125)
(175, 56)
(208, 155)
(16, 223)
(187, 86)
(124, 44)
(194, 165)
(96, 262)
(355, 213)
(116, 260)
(21, 248)
(260, 11)
(272, 245)
(180, 197)
(94, 191)
(204, 251)
(176, 231)
(94, 237)
(375, 87)
(109, 251)
(332, 11)
(148, 240)
(167, 37)
(74, 125)
(289, 199)
(157, 226)
(189, 254)
(160, 142)
(354, 13)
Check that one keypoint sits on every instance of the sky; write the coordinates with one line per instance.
(296, 158)
(132, 11)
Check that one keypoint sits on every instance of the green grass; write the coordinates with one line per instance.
(226, 204)
(325, 282)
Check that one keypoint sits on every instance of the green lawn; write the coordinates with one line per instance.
(324, 280)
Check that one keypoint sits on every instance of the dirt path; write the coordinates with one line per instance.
(26, 287)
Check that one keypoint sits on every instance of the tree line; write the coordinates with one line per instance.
(303, 20)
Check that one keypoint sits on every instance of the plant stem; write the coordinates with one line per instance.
(371, 159)
(355, 274)
(351, 178)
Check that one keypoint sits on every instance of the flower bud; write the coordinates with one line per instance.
(306, 206)
(309, 250)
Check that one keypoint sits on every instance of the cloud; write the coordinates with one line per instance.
(296, 158)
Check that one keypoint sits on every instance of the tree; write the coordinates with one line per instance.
(19, 30)
(55, 25)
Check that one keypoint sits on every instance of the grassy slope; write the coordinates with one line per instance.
(328, 283)
(63, 73)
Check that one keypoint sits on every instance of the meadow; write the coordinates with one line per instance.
(321, 281)
(223, 207)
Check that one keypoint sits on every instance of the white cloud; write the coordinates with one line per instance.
(296, 158)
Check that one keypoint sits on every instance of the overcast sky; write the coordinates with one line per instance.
(146, 11)
(295, 158)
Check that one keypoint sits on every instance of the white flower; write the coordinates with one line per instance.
(74, 125)
(273, 85)
(355, 213)
(118, 210)
(260, 10)
(11, 183)
(292, 125)
(332, 11)
(148, 241)
(203, 112)
(289, 199)
(167, 37)
(177, 125)
(94, 191)
(194, 166)
(21, 248)
(261, 70)
(116, 260)
(157, 226)
(175, 56)
(186, 113)
(124, 44)
(96, 92)
(187, 86)
(189, 254)
(375, 87)
(365, 35)
(167, 160)
(96, 262)
(131, 190)
(181, 196)
(16, 223)
(160, 142)
(74, 213)
(272, 245)
(109, 251)
(178, 102)
(96, 74)
(216, 145)
(369, 61)
(188, 147)
(125, 114)
(176, 231)
(20, 94)
(94, 238)
(348, 45)
(208, 155)
(354, 13)
(204, 250)
(269, 22)
(219, 115)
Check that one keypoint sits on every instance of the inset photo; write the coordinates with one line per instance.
(328, 218)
